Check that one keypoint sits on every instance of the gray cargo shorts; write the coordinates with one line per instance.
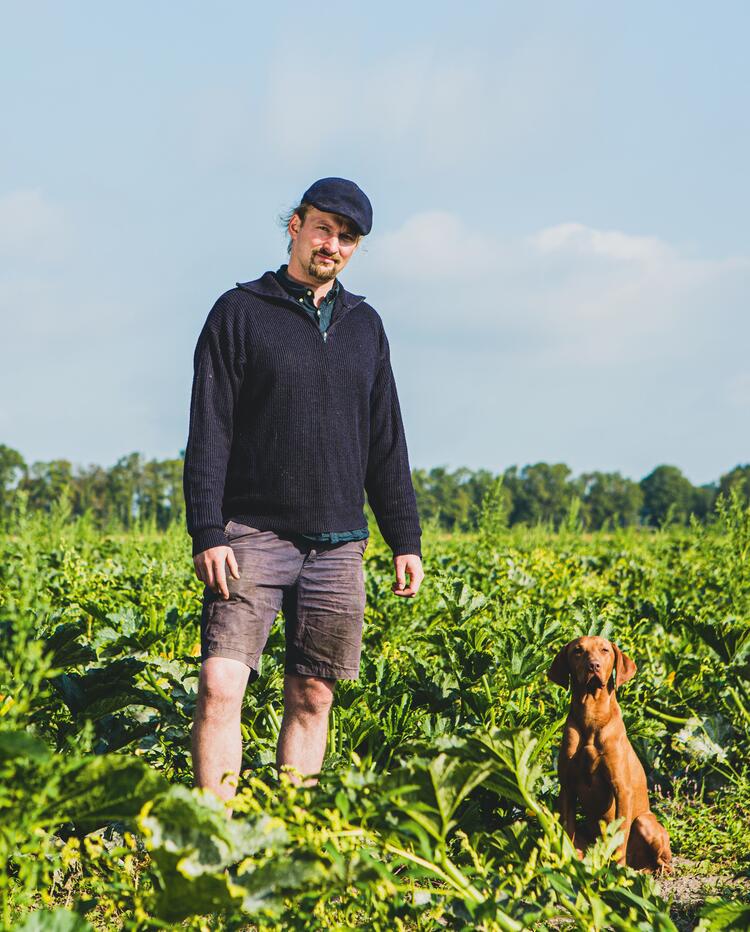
(319, 588)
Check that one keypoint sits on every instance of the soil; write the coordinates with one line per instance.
(689, 891)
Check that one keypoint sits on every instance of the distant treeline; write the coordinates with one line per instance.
(136, 491)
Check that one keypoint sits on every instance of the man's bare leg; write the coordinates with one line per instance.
(216, 737)
(304, 726)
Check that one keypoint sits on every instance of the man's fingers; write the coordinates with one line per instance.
(416, 581)
(411, 565)
(220, 578)
(232, 564)
(210, 568)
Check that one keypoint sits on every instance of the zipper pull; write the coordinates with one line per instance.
(325, 336)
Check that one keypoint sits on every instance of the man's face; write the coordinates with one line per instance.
(322, 244)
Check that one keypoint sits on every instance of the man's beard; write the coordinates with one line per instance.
(319, 271)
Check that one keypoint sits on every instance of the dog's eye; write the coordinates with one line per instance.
(578, 650)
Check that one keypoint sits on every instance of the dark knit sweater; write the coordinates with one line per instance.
(321, 316)
(289, 427)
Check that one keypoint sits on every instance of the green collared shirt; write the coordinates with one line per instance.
(321, 315)
(305, 296)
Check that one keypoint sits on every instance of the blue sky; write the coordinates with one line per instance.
(560, 252)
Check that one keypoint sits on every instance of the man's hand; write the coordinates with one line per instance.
(408, 564)
(210, 568)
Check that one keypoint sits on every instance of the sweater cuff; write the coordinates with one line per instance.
(405, 545)
(207, 538)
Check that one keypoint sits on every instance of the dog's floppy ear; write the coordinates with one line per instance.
(624, 667)
(559, 672)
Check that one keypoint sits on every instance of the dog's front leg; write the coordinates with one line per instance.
(623, 810)
(566, 801)
(566, 805)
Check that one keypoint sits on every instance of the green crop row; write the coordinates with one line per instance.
(435, 808)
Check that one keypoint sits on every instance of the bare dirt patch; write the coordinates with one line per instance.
(689, 890)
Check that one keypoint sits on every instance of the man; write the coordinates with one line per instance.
(294, 415)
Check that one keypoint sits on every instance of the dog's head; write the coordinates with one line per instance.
(588, 663)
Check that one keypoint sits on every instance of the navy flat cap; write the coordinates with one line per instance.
(339, 196)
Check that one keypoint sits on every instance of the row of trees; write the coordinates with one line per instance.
(131, 492)
(136, 491)
(546, 492)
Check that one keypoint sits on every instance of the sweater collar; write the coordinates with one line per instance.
(268, 286)
(297, 290)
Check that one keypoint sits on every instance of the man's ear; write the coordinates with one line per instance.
(624, 667)
(559, 672)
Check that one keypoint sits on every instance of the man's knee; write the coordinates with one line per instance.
(309, 696)
(221, 686)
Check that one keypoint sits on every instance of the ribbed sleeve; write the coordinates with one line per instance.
(388, 478)
(218, 371)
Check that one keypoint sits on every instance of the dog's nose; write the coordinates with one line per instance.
(594, 666)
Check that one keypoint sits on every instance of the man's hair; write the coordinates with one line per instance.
(285, 219)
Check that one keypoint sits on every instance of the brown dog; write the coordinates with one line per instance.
(597, 764)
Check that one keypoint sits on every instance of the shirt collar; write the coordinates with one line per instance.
(298, 290)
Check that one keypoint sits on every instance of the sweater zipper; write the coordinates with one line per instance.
(292, 304)
(325, 332)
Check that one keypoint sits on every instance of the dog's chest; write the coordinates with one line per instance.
(588, 762)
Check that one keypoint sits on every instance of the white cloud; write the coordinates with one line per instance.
(612, 244)
(568, 294)
(432, 246)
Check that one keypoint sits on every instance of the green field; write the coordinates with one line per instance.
(435, 807)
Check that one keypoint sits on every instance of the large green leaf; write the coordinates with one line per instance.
(192, 842)
(725, 915)
(265, 888)
(64, 646)
(56, 920)
(461, 600)
(20, 744)
(513, 761)
(452, 779)
(106, 788)
(103, 690)
(124, 632)
(728, 637)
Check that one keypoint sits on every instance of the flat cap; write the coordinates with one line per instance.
(339, 196)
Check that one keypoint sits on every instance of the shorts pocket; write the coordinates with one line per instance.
(235, 529)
